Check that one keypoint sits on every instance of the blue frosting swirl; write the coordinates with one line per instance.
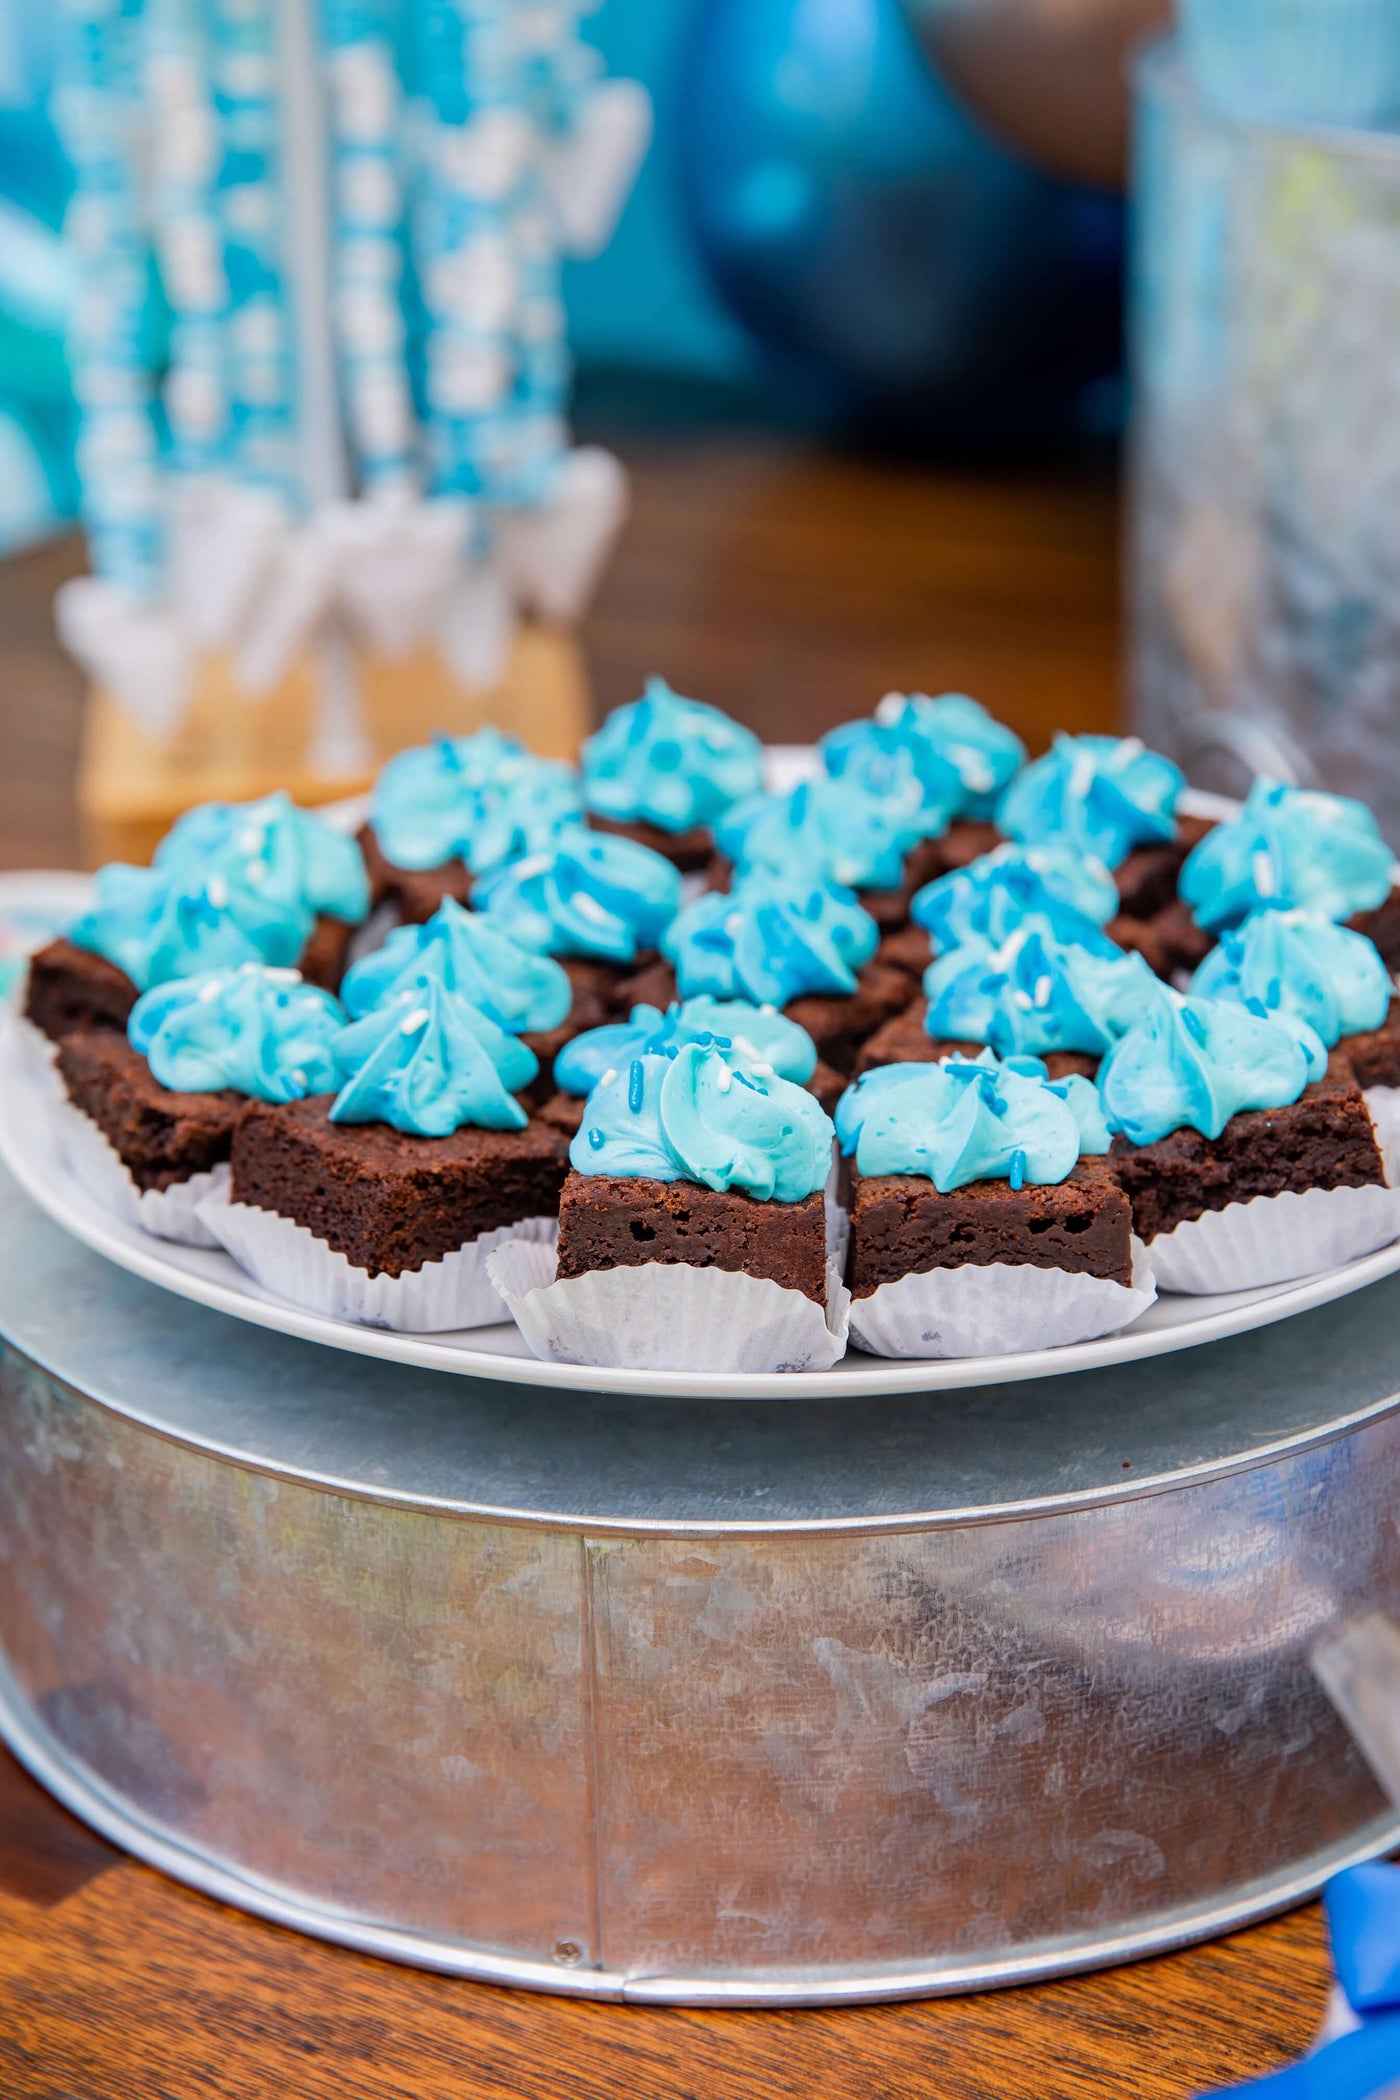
(1032, 995)
(668, 761)
(758, 1037)
(823, 831)
(904, 772)
(482, 799)
(521, 991)
(428, 1062)
(1191, 1064)
(770, 940)
(1292, 849)
(176, 921)
(588, 894)
(1099, 794)
(1299, 966)
(691, 1115)
(984, 753)
(274, 854)
(985, 901)
(970, 1119)
(256, 1030)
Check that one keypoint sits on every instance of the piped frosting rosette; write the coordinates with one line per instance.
(470, 954)
(1288, 849)
(1071, 892)
(956, 756)
(1098, 794)
(586, 895)
(670, 762)
(481, 799)
(1033, 995)
(687, 1114)
(770, 939)
(828, 831)
(957, 1124)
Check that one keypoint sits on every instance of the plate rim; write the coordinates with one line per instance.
(32, 1164)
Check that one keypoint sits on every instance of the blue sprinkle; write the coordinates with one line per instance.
(1194, 1026)
(636, 1084)
(596, 1138)
(1018, 1169)
(1274, 995)
(744, 1080)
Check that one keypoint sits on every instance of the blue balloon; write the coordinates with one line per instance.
(893, 262)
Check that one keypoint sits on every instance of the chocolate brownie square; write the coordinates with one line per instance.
(1383, 927)
(690, 851)
(1147, 879)
(902, 1226)
(609, 1222)
(1375, 1056)
(1170, 941)
(386, 1200)
(160, 1136)
(73, 988)
(909, 949)
(1323, 1140)
(906, 1041)
(414, 893)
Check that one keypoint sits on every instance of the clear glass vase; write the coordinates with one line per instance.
(1265, 543)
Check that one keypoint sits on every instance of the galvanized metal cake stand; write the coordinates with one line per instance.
(760, 1702)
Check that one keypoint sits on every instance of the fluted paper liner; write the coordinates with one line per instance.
(38, 1056)
(1000, 1309)
(444, 1295)
(168, 1214)
(668, 1316)
(1384, 1104)
(1274, 1239)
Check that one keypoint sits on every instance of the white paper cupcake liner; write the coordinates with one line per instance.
(441, 1297)
(1003, 1309)
(37, 1055)
(1384, 1104)
(1274, 1239)
(168, 1214)
(665, 1316)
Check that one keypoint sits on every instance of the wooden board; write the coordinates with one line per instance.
(131, 786)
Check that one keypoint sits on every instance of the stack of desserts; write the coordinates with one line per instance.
(952, 1050)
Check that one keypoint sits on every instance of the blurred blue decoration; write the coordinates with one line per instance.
(38, 490)
(896, 265)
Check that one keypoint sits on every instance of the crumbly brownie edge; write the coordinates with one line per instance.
(161, 1137)
(1375, 1056)
(1323, 1140)
(902, 1226)
(611, 1222)
(387, 1201)
(71, 988)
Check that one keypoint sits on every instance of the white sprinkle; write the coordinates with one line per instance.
(724, 1079)
(1262, 869)
(760, 1069)
(1043, 989)
(609, 1076)
(1010, 948)
(251, 837)
(212, 989)
(1129, 748)
(299, 1076)
(1021, 1000)
(890, 709)
(1081, 775)
(255, 871)
(275, 976)
(590, 908)
(734, 925)
(767, 1008)
(216, 890)
(411, 1023)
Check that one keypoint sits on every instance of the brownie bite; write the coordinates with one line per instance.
(902, 1226)
(612, 1222)
(905, 1040)
(161, 1137)
(413, 894)
(1147, 878)
(1323, 1140)
(1374, 1055)
(387, 1200)
(1170, 941)
(1383, 927)
(909, 948)
(691, 851)
(73, 988)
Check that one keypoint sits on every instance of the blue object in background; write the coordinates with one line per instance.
(894, 263)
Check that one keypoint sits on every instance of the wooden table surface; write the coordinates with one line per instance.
(794, 589)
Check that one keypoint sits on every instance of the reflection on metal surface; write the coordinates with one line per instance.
(1359, 1666)
(764, 1766)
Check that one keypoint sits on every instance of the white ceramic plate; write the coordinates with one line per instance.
(30, 1151)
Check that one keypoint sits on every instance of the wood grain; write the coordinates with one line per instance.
(794, 588)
